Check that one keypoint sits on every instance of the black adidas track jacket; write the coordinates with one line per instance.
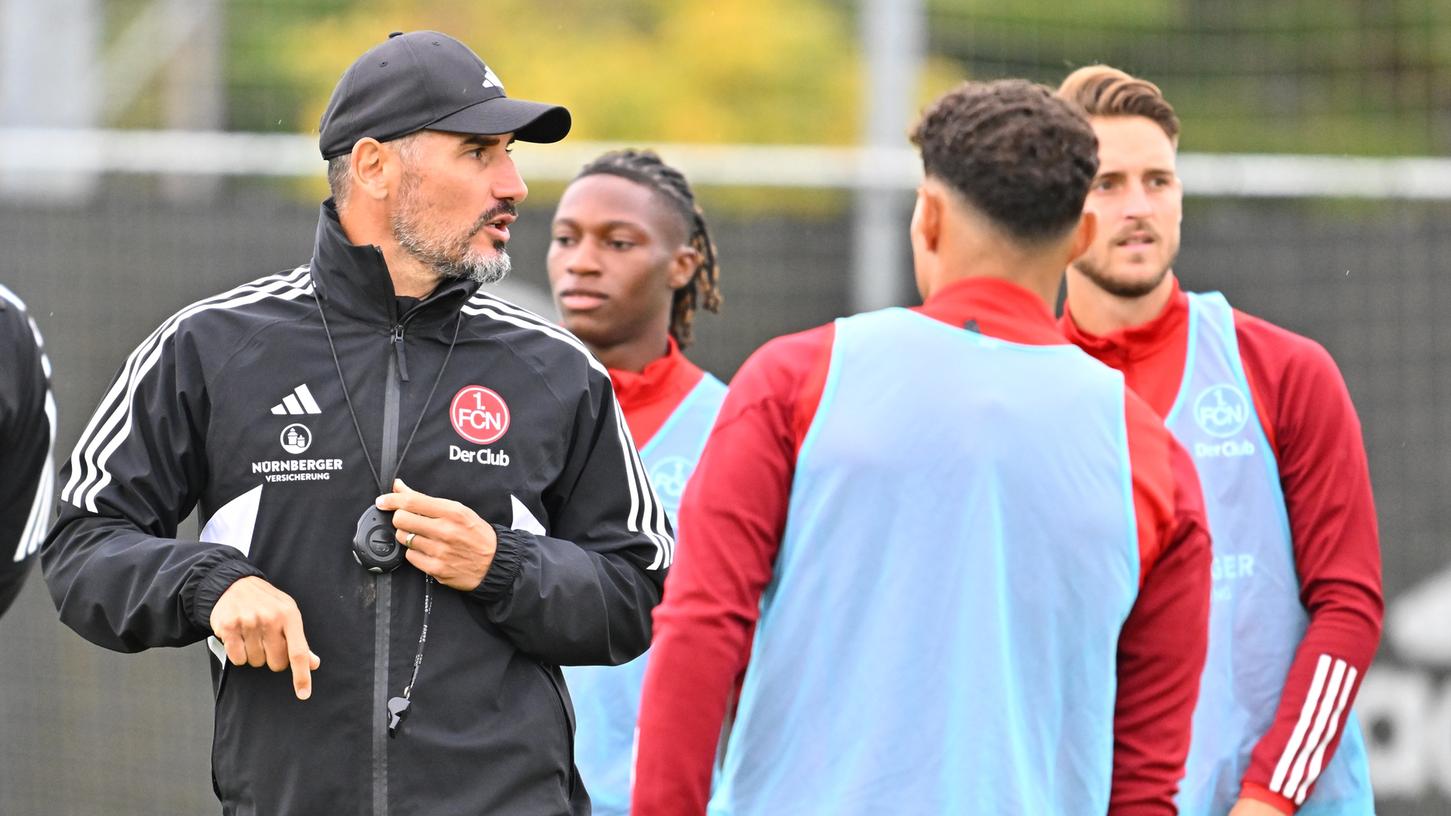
(234, 405)
(27, 436)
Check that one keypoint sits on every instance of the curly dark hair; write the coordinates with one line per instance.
(646, 168)
(1014, 151)
(1104, 91)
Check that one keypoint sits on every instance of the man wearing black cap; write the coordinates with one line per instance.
(529, 538)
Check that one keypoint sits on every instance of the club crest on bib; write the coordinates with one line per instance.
(479, 414)
(1221, 410)
(668, 477)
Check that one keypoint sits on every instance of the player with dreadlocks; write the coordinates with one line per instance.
(630, 260)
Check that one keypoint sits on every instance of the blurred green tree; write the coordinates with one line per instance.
(1365, 77)
(777, 71)
(748, 71)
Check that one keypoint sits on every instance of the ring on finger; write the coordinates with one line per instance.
(408, 540)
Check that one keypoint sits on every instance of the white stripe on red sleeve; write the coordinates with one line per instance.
(1318, 759)
(1320, 718)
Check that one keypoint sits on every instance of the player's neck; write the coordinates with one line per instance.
(1039, 273)
(1099, 312)
(973, 245)
(635, 353)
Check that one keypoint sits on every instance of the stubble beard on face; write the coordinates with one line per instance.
(450, 257)
(1129, 289)
(1124, 287)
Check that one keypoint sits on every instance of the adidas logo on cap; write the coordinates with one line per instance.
(300, 401)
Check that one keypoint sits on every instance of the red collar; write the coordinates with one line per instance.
(1136, 342)
(997, 308)
(666, 379)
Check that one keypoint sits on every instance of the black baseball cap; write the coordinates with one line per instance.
(427, 80)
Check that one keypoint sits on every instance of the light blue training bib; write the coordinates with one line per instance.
(1256, 620)
(607, 698)
(941, 631)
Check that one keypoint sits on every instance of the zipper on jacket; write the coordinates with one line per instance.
(397, 337)
(383, 583)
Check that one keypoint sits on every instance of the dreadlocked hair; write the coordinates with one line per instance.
(703, 290)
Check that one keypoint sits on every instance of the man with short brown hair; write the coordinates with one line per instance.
(1297, 601)
(976, 565)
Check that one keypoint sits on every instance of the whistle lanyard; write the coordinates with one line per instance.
(397, 706)
(357, 426)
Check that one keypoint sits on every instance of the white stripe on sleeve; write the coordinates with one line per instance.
(647, 514)
(36, 521)
(1318, 759)
(1324, 705)
(1307, 715)
(102, 421)
(111, 423)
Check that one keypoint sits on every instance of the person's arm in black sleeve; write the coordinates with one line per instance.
(27, 436)
(115, 570)
(584, 593)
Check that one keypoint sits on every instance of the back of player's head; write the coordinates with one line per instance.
(1104, 91)
(1014, 152)
(646, 168)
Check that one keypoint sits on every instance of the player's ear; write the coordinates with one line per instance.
(1083, 235)
(927, 216)
(683, 263)
(370, 168)
(926, 232)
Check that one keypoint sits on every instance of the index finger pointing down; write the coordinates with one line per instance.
(301, 658)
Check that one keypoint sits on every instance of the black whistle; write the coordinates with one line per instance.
(375, 543)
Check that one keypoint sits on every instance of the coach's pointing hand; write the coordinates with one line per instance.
(444, 538)
(260, 625)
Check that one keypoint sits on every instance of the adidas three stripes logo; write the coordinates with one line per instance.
(300, 401)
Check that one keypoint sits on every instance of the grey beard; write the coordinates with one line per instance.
(452, 262)
(480, 270)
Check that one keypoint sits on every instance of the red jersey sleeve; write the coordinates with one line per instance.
(731, 520)
(1163, 642)
(1316, 436)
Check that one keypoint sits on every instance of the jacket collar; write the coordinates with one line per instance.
(354, 279)
(1135, 343)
